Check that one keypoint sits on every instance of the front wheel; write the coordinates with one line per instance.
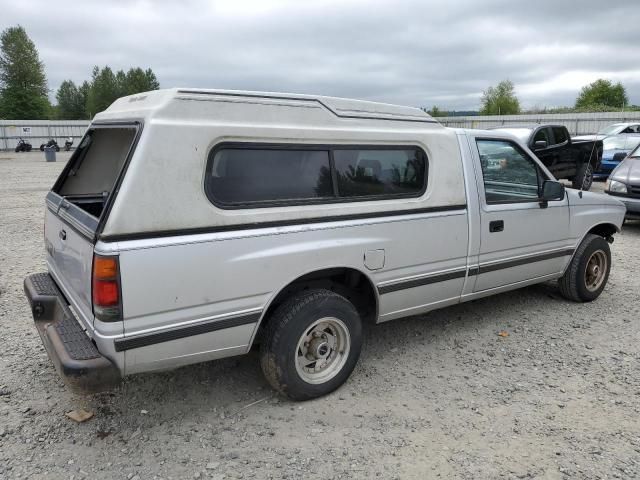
(588, 272)
(311, 344)
(584, 177)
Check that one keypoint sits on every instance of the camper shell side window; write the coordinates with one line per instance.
(263, 175)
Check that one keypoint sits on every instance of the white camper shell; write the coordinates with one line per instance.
(191, 224)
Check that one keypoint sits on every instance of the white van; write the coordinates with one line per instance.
(190, 225)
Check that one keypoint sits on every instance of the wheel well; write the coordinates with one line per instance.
(604, 230)
(348, 282)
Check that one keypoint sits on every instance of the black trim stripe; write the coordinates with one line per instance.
(443, 277)
(418, 282)
(139, 341)
(523, 261)
(277, 223)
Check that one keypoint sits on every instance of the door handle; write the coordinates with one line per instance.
(496, 226)
(63, 235)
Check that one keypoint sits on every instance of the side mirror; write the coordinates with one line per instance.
(539, 144)
(551, 190)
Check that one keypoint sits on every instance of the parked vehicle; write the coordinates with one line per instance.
(50, 143)
(290, 221)
(613, 129)
(566, 158)
(68, 143)
(624, 183)
(615, 148)
(23, 146)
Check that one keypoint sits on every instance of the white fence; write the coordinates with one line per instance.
(39, 131)
(577, 123)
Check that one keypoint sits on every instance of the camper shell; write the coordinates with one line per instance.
(191, 224)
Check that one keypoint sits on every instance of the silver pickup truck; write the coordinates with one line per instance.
(191, 225)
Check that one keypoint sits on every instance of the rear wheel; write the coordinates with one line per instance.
(311, 344)
(584, 177)
(588, 271)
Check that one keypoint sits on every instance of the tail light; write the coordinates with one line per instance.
(107, 301)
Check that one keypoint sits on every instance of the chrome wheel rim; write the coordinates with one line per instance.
(596, 270)
(322, 350)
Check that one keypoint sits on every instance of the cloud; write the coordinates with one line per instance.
(409, 52)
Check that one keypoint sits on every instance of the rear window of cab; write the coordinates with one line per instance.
(253, 176)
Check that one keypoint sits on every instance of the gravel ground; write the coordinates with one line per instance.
(441, 395)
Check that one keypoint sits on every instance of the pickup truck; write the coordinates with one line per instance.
(566, 158)
(190, 225)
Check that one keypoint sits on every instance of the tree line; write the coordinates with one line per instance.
(600, 96)
(24, 93)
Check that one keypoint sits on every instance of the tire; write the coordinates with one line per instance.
(584, 177)
(290, 331)
(57, 148)
(17, 149)
(42, 147)
(29, 148)
(579, 282)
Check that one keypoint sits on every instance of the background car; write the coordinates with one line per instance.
(624, 183)
(615, 149)
(613, 129)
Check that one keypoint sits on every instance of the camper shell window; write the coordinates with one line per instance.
(94, 167)
(254, 176)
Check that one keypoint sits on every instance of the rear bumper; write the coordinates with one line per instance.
(74, 355)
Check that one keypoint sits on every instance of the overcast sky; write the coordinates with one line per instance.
(420, 53)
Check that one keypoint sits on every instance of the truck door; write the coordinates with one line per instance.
(548, 154)
(519, 239)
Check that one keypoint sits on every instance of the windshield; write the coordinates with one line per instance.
(610, 130)
(520, 133)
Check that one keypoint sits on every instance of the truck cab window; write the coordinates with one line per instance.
(541, 135)
(508, 174)
(559, 135)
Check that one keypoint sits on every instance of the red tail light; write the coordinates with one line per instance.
(107, 304)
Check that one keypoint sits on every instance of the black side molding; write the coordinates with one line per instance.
(471, 271)
(418, 282)
(138, 341)
(523, 261)
(280, 223)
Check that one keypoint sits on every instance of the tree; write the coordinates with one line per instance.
(103, 91)
(106, 87)
(139, 80)
(71, 102)
(436, 112)
(602, 93)
(500, 100)
(23, 84)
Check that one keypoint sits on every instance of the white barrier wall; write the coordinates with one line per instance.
(39, 131)
(577, 123)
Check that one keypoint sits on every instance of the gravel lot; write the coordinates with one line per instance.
(441, 395)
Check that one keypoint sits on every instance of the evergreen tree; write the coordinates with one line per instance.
(23, 84)
(71, 102)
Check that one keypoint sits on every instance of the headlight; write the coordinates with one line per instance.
(615, 187)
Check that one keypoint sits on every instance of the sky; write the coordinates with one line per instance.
(418, 53)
